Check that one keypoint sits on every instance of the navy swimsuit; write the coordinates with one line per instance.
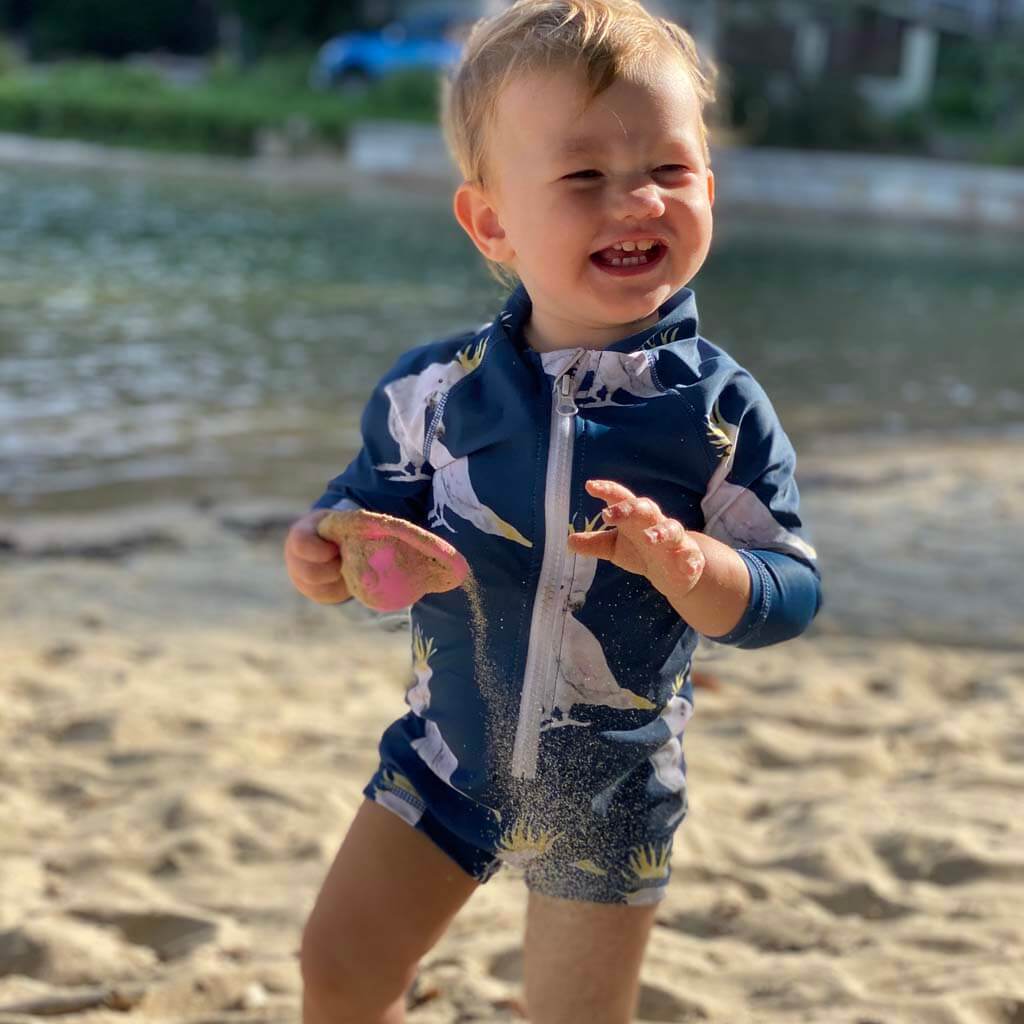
(547, 712)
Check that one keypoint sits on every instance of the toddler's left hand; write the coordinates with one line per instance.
(642, 540)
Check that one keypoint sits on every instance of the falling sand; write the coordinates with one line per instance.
(499, 725)
(388, 564)
(526, 807)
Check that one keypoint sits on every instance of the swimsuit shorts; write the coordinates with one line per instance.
(570, 844)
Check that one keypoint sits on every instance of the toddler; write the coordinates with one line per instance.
(616, 484)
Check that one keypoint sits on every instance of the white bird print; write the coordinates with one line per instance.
(584, 676)
(437, 755)
(735, 515)
(453, 489)
(432, 748)
(617, 371)
(411, 398)
(583, 673)
(667, 759)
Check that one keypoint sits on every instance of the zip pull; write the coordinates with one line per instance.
(565, 389)
(566, 405)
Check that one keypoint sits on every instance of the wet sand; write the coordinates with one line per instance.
(185, 740)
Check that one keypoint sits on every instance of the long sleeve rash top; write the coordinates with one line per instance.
(489, 443)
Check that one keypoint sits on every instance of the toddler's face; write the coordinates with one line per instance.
(602, 209)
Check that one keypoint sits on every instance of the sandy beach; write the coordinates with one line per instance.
(185, 741)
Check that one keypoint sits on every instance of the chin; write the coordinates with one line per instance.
(638, 307)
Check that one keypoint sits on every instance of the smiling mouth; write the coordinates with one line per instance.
(619, 262)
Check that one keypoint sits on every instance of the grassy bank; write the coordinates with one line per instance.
(230, 111)
(238, 111)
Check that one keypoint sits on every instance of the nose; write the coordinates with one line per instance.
(639, 200)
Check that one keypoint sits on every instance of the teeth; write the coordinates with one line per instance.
(645, 245)
(629, 261)
(629, 246)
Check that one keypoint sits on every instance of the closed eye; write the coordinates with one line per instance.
(586, 175)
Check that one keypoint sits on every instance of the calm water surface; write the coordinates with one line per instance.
(183, 339)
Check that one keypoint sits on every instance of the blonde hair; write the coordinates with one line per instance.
(608, 39)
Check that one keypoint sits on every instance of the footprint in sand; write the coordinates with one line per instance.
(768, 928)
(941, 861)
(653, 1004)
(85, 730)
(245, 790)
(508, 965)
(1011, 747)
(658, 1004)
(190, 853)
(21, 954)
(835, 860)
(73, 795)
(711, 923)
(862, 900)
(387, 563)
(945, 945)
(60, 654)
(170, 936)
(31, 688)
(70, 951)
(998, 1010)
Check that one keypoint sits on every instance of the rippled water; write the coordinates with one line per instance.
(183, 339)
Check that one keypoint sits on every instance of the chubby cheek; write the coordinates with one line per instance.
(550, 239)
(693, 230)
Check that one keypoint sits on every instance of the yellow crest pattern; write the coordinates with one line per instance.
(651, 861)
(421, 650)
(522, 838)
(590, 867)
(509, 532)
(717, 434)
(396, 780)
(595, 525)
(470, 357)
(665, 337)
(641, 703)
(678, 683)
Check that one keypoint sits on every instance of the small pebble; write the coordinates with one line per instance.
(253, 998)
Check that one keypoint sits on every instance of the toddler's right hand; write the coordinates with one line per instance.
(314, 564)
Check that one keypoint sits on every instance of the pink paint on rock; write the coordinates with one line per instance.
(391, 588)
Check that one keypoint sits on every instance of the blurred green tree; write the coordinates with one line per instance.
(116, 28)
(290, 22)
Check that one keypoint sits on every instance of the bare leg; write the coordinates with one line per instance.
(387, 899)
(582, 960)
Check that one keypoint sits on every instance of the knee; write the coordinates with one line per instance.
(343, 982)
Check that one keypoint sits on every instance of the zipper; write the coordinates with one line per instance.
(540, 676)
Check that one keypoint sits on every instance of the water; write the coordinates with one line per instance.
(168, 339)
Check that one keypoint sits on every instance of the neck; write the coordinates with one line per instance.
(547, 333)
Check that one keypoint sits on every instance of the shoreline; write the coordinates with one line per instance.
(412, 157)
(918, 541)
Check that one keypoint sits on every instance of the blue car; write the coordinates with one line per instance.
(354, 60)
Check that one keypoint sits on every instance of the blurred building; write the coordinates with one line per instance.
(888, 47)
(379, 11)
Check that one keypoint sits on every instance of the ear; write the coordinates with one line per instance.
(711, 187)
(476, 213)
